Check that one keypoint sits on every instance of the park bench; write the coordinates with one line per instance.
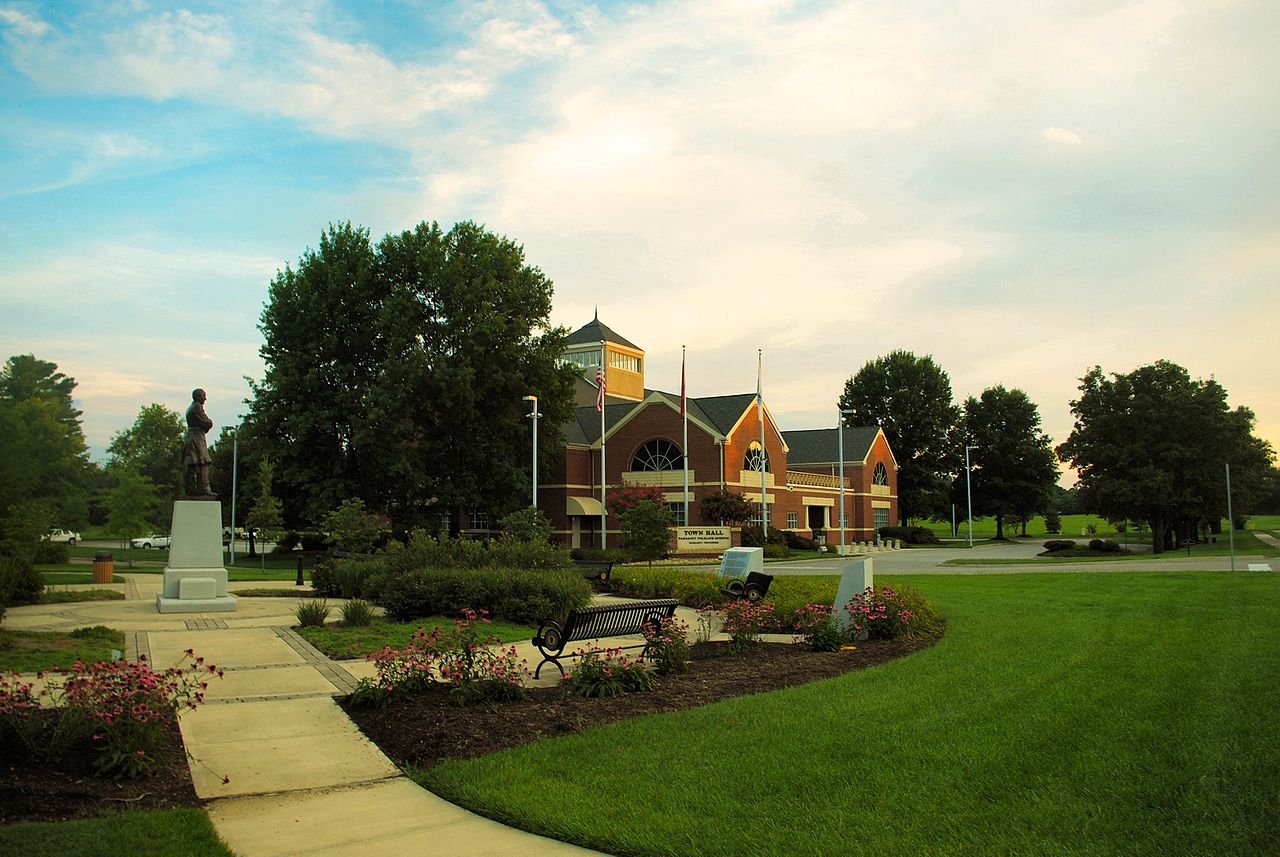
(597, 571)
(752, 589)
(605, 620)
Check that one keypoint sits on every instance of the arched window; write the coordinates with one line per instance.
(657, 454)
(751, 461)
(881, 476)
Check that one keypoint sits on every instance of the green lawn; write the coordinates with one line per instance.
(1264, 522)
(338, 641)
(138, 833)
(1246, 543)
(32, 651)
(1061, 713)
(58, 574)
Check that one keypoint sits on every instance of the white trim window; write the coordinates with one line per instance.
(793, 520)
(478, 520)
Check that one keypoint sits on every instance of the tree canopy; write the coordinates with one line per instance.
(909, 397)
(43, 457)
(395, 373)
(152, 447)
(1151, 446)
(1015, 469)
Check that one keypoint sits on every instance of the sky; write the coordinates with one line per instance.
(1021, 190)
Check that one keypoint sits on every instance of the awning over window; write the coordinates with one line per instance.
(588, 506)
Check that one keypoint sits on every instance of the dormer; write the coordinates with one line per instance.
(623, 360)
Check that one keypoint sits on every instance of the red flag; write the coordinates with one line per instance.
(600, 393)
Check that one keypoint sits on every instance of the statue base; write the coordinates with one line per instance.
(195, 580)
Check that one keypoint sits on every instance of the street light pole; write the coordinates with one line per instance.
(534, 416)
(1231, 521)
(235, 464)
(968, 490)
(844, 412)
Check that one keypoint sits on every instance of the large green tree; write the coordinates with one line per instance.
(1151, 446)
(152, 447)
(131, 506)
(43, 457)
(235, 464)
(909, 397)
(1015, 469)
(395, 374)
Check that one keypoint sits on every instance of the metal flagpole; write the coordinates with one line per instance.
(1231, 521)
(684, 413)
(764, 497)
(601, 374)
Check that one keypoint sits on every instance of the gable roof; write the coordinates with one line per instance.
(595, 330)
(822, 446)
(723, 412)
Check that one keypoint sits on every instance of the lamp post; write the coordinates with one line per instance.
(844, 412)
(235, 465)
(1231, 521)
(533, 400)
(968, 490)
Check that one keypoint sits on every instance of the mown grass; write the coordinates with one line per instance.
(1263, 522)
(342, 642)
(1097, 714)
(72, 596)
(138, 833)
(55, 575)
(32, 651)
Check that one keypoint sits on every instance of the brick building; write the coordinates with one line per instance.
(643, 433)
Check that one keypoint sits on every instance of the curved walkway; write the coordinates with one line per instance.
(300, 777)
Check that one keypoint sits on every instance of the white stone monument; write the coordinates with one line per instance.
(195, 581)
(739, 562)
(854, 580)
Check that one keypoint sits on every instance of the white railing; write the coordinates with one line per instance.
(816, 480)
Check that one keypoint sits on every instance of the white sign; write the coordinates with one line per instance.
(854, 580)
(702, 539)
(739, 562)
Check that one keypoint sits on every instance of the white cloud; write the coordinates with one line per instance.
(22, 24)
(1062, 135)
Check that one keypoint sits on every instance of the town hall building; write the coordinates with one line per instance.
(642, 446)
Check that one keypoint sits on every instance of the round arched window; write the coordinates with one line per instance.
(881, 476)
(751, 461)
(657, 454)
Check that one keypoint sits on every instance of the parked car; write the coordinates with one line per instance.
(155, 540)
(63, 536)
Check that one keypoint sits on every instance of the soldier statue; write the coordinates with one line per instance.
(195, 451)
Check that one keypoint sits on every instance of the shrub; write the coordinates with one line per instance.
(885, 613)
(312, 541)
(523, 597)
(668, 648)
(816, 626)
(49, 553)
(1059, 545)
(744, 621)
(910, 535)
(126, 707)
(468, 660)
(772, 551)
(795, 541)
(614, 555)
(19, 581)
(607, 672)
(1104, 546)
(646, 530)
(1091, 529)
(690, 588)
(357, 613)
(345, 578)
(312, 614)
(287, 542)
(1052, 522)
(527, 525)
(754, 537)
(512, 553)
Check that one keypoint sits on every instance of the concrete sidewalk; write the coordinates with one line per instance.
(300, 777)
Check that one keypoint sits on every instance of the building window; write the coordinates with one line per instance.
(882, 519)
(844, 520)
(677, 514)
(584, 359)
(657, 454)
(624, 361)
(751, 461)
(881, 476)
(444, 522)
(793, 520)
(479, 520)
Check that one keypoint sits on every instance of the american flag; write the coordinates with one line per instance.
(600, 393)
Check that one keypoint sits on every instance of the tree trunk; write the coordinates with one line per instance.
(999, 527)
(1024, 527)
(1157, 534)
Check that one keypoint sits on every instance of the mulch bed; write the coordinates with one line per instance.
(70, 787)
(427, 728)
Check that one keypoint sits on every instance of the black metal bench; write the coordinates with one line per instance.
(596, 571)
(606, 620)
(752, 589)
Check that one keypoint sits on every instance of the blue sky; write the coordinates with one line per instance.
(1021, 190)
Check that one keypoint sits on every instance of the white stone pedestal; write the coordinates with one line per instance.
(856, 579)
(195, 580)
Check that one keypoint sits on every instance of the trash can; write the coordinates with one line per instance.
(103, 567)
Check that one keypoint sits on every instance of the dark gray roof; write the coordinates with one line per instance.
(822, 446)
(596, 330)
(586, 428)
(723, 411)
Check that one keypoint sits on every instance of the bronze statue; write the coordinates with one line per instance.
(195, 451)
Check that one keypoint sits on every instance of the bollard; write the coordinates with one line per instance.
(103, 567)
(300, 581)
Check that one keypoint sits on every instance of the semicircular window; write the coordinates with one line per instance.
(881, 476)
(751, 461)
(657, 454)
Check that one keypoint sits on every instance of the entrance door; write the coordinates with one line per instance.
(817, 517)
